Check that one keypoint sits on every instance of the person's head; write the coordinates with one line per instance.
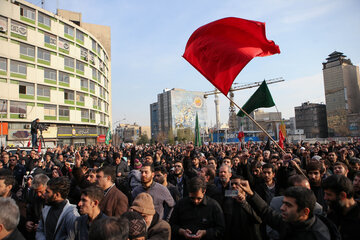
(91, 175)
(212, 162)
(236, 182)
(266, 154)
(356, 182)
(338, 189)
(60, 157)
(227, 161)
(160, 174)
(111, 228)
(9, 216)
(147, 173)
(90, 200)
(197, 189)
(148, 159)
(144, 204)
(117, 158)
(33, 154)
(208, 173)
(12, 161)
(105, 177)
(195, 161)
(7, 181)
(57, 190)
(332, 157)
(137, 225)
(225, 174)
(235, 160)
(37, 120)
(39, 184)
(340, 168)
(5, 158)
(315, 171)
(299, 181)
(256, 168)
(298, 204)
(355, 163)
(268, 172)
(178, 168)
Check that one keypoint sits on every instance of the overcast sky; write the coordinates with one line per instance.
(148, 38)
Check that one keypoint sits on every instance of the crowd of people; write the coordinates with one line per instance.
(158, 191)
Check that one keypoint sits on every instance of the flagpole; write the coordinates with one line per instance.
(264, 131)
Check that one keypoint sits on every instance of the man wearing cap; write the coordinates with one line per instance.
(157, 228)
(34, 129)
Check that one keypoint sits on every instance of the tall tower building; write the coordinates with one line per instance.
(342, 94)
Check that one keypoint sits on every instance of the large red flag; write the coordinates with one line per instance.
(281, 139)
(221, 49)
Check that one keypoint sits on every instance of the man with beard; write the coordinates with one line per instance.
(58, 215)
(7, 181)
(90, 211)
(179, 179)
(115, 202)
(158, 192)
(340, 168)
(344, 211)
(161, 177)
(296, 220)
(315, 172)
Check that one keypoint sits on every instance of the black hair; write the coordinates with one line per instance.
(315, 166)
(94, 193)
(338, 184)
(161, 169)
(111, 228)
(196, 184)
(108, 171)
(7, 176)
(269, 165)
(60, 185)
(297, 178)
(304, 198)
(146, 164)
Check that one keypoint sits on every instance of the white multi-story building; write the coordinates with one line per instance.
(56, 68)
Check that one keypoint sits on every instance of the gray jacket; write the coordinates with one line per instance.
(63, 225)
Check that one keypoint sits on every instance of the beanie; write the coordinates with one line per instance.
(137, 164)
(144, 204)
(137, 225)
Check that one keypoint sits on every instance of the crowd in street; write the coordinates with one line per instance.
(159, 191)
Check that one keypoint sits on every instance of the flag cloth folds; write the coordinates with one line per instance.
(197, 132)
(108, 137)
(281, 139)
(261, 98)
(221, 49)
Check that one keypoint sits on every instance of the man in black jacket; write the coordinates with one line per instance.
(34, 128)
(296, 220)
(90, 210)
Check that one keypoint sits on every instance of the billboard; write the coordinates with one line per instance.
(184, 106)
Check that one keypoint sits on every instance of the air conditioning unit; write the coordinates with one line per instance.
(27, 126)
(22, 115)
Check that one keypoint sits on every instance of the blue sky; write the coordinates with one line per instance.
(149, 37)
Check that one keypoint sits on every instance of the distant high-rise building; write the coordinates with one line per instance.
(342, 94)
(176, 109)
(311, 117)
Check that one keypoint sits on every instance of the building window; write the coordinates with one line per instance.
(3, 106)
(27, 50)
(92, 115)
(92, 86)
(93, 72)
(27, 12)
(79, 35)
(64, 77)
(93, 45)
(84, 54)
(50, 110)
(94, 101)
(18, 28)
(84, 83)
(99, 50)
(102, 118)
(46, 20)
(80, 97)
(68, 62)
(106, 83)
(63, 44)
(49, 74)
(26, 88)
(17, 67)
(69, 95)
(44, 55)
(99, 104)
(80, 66)
(92, 58)
(50, 39)
(17, 107)
(85, 113)
(64, 111)
(99, 76)
(68, 30)
(43, 91)
(3, 64)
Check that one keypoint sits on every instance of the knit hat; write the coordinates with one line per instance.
(137, 164)
(137, 225)
(144, 204)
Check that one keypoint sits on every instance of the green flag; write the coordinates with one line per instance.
(197, 132)
(108, 137)
(261, 98)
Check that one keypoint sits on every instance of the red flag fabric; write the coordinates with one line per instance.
(281, 139)
(240, 135)
(39, 147)
(221, 49)
(29, 143)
